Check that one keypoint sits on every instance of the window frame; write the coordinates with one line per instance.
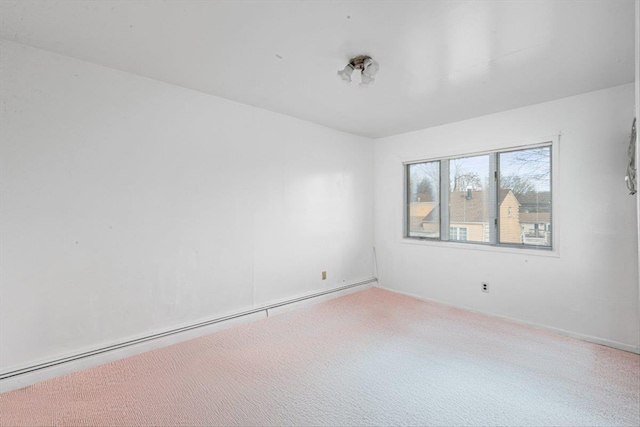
(407, 195)
(494, 244)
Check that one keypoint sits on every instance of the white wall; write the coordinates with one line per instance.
(130, 206)
(590, 288)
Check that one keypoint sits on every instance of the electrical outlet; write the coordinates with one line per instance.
(324, 275)
(485, 287)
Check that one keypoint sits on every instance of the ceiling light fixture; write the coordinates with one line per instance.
(367, 66)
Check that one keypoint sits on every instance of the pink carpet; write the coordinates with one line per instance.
(369, 358)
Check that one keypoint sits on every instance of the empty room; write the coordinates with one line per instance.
(319, 213)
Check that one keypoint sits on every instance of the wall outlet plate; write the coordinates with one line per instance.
(485, 287)
(324, 275)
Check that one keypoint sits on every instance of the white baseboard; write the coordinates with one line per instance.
(588, 338)
(28, 375)
(84, 362)
(307, 302)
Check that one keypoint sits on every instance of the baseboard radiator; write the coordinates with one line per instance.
(266, 311)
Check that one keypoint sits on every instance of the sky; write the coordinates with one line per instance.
(531, 164)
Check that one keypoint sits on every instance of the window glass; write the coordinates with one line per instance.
(525, 187)
(469, 198)
(423, 196)
(500, 198)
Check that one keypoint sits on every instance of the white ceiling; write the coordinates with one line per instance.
(441, 61)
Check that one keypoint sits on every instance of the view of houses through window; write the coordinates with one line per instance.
(526, 174)
(469, 198)
(424, 217)
(497, 198)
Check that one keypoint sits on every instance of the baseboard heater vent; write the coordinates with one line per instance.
(266, 308)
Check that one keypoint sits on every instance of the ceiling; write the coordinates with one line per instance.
(440, 61)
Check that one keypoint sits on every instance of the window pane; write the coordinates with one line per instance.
(469, 200)
(525, 192)
(423, 200)
(458, 233)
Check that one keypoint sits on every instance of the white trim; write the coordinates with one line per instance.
(486, 247)
(486, 149)
(576, 335)
(28, 375)
(275, 311)
(32, 377)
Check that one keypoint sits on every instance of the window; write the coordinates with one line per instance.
(526, 176)
(458, 233)
(500, 198)
(469, 197)
(423, 198)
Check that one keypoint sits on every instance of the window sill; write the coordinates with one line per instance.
(553, 253)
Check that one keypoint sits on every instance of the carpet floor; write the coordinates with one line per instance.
(370, 358)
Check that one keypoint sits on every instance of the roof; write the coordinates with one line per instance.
(535, 217)
(421, 208)
(535, 198)
(464, 209)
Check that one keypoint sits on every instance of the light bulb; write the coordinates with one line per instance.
(345, 74)
(369, 70)
(366, 80)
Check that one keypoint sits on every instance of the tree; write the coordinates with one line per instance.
(535, 163)
(464, 181)
(518, 184)
(424, 181)
(424, 190)
(424, 186)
